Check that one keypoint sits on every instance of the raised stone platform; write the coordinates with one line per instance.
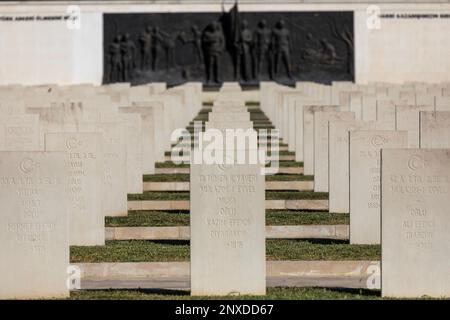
(175, 275)
(184, 204)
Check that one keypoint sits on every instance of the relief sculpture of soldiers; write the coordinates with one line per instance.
(213, 43)
(211, 48)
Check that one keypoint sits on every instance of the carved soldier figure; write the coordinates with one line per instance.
(145, 42)
(244, 52)
(282, 46)
(169, 44)
(263, 37)
(197, 41)
(213, 43)
(128, 50)
(115, 60)
(157, 41)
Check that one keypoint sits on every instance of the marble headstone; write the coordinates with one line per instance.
(364, 167)
(415, 223)
(84, 161)
(34, 237)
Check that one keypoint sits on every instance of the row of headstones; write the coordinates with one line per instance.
(396, 193)
(228, 210)
(67, 165)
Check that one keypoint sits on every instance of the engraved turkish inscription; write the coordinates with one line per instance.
(415, 222)
(34, 247)
(84, 162)
(364, 178)
(227, 229)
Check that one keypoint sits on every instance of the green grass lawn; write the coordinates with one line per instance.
(278, 293)
(270, 195)
(181, 218)
(169, 164)
(158, 251)
(185, 177)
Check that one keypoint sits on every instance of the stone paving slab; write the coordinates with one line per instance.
(316, 205)
(270, 185)
(339, 232)
(175, 275)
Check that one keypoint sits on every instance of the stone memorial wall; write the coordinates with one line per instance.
(81, 45)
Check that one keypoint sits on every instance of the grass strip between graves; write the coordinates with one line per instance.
(169, 164)
(182, 218)
(279, 249)
(184, 177)
(270, 195)
(278, 293)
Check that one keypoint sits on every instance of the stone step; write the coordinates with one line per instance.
(187, 158)
(280, 153)
(279, 149)
(270, 185)
(337, 232)
(176, 275)
(168, 205)
(186, 170)
(255, 118)
(267, 144)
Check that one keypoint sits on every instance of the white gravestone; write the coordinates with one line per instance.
(435, 129)
(84, 161)
(308, 135)
(415, 230)
(407, 119)
(321, 120)
(115, 168)
(147, 137)
(19, 132)
(364, 167)
(227, 229)
(338, 160)
(34, 237)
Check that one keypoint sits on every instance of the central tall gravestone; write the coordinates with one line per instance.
(227, 225)
(34, 235)
(415, 223)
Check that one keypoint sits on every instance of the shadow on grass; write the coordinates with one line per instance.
(360, 291)
(171, 242)
(315, 241)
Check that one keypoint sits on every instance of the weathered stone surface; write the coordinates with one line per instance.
(34, 241)
(19, 132)
(435, 129)
(338, 159)
(227, 230)
(407, 119)
(147, 136)
(321, 120)
(365, 149)
(84, 162)
(308, 135)
(415, 223)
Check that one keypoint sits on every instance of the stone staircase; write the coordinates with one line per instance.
(288, 190)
